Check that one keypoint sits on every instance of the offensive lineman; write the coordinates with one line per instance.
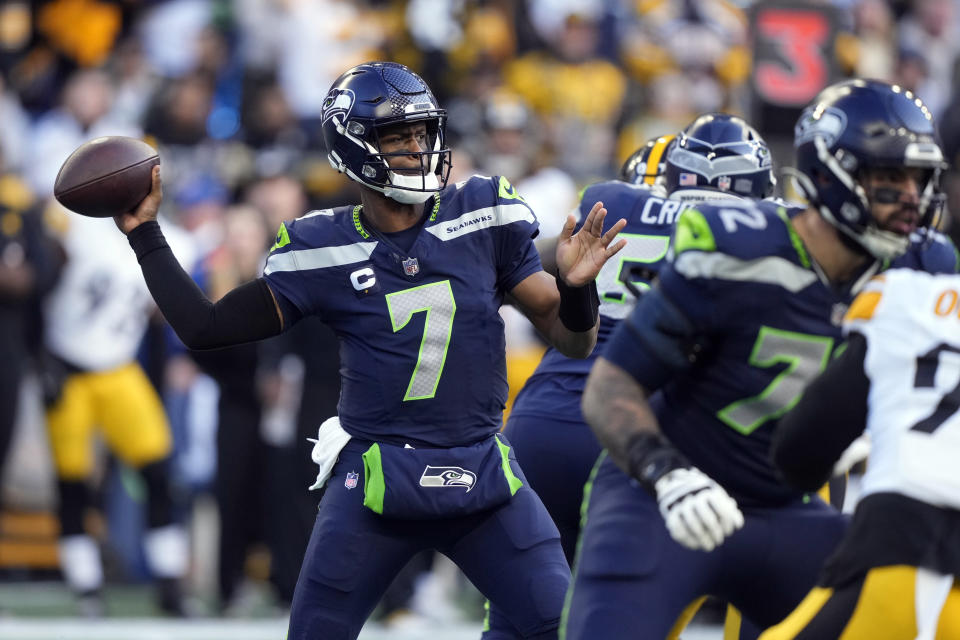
(722, 155)
(689, 389)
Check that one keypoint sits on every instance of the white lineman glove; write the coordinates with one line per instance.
(858, 450)
(699, 514)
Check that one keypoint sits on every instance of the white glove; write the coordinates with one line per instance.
(698, 512)
(858, 450)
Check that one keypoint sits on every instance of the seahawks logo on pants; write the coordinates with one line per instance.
(448, 477)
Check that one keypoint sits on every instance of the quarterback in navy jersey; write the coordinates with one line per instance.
(411, 280)
(442, 381)
(687, 392)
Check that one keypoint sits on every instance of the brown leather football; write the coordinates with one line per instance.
(106, 176)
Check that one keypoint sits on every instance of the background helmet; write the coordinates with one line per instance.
(859, 124)
(647, 165)
(369, 97)
(723, 153)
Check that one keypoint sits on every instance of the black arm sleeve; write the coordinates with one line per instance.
(831, 414)
(245, 314)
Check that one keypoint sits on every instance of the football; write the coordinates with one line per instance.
(106, 176)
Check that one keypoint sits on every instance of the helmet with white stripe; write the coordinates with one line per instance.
(857, 125)
(360, 104)
(722, 156)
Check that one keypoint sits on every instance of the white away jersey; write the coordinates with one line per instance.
(97, 314)
(911, 321)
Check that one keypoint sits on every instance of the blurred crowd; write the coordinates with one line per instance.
(553, 94)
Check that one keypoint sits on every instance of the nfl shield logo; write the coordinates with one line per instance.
(411, 267)
(723, 182)
(351, 480)
(688, 179)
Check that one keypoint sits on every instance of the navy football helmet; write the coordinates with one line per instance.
(862, 124)
(359, 105)
(720, 155)
(646, 166)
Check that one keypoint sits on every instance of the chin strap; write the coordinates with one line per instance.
(405, 196)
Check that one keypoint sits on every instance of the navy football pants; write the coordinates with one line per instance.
(632, 580)
(556, 455)
(512, 554)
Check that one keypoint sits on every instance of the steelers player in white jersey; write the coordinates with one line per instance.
(95, 319)
(895, 573)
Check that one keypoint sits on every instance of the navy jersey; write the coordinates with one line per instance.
(933, 253)
(421, 339)
(770, 322)
(650, 222)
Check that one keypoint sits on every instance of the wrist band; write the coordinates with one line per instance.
(579, 306)
(651, 457)
(146, 238)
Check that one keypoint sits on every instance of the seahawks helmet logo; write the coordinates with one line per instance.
(448, 477)
(828, 123)
(339, 102)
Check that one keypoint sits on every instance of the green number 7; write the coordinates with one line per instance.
(436, 299)
(805, 356)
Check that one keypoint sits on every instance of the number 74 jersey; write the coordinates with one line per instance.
(769, 323)
(911, 322)
(422, 346)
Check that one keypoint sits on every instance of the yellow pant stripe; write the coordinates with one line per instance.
(801, 616)
(732, 623)
(685, 617)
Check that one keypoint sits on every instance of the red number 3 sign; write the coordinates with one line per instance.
(793, 51)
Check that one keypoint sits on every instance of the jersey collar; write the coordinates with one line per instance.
(795, 240)
(366, 234)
